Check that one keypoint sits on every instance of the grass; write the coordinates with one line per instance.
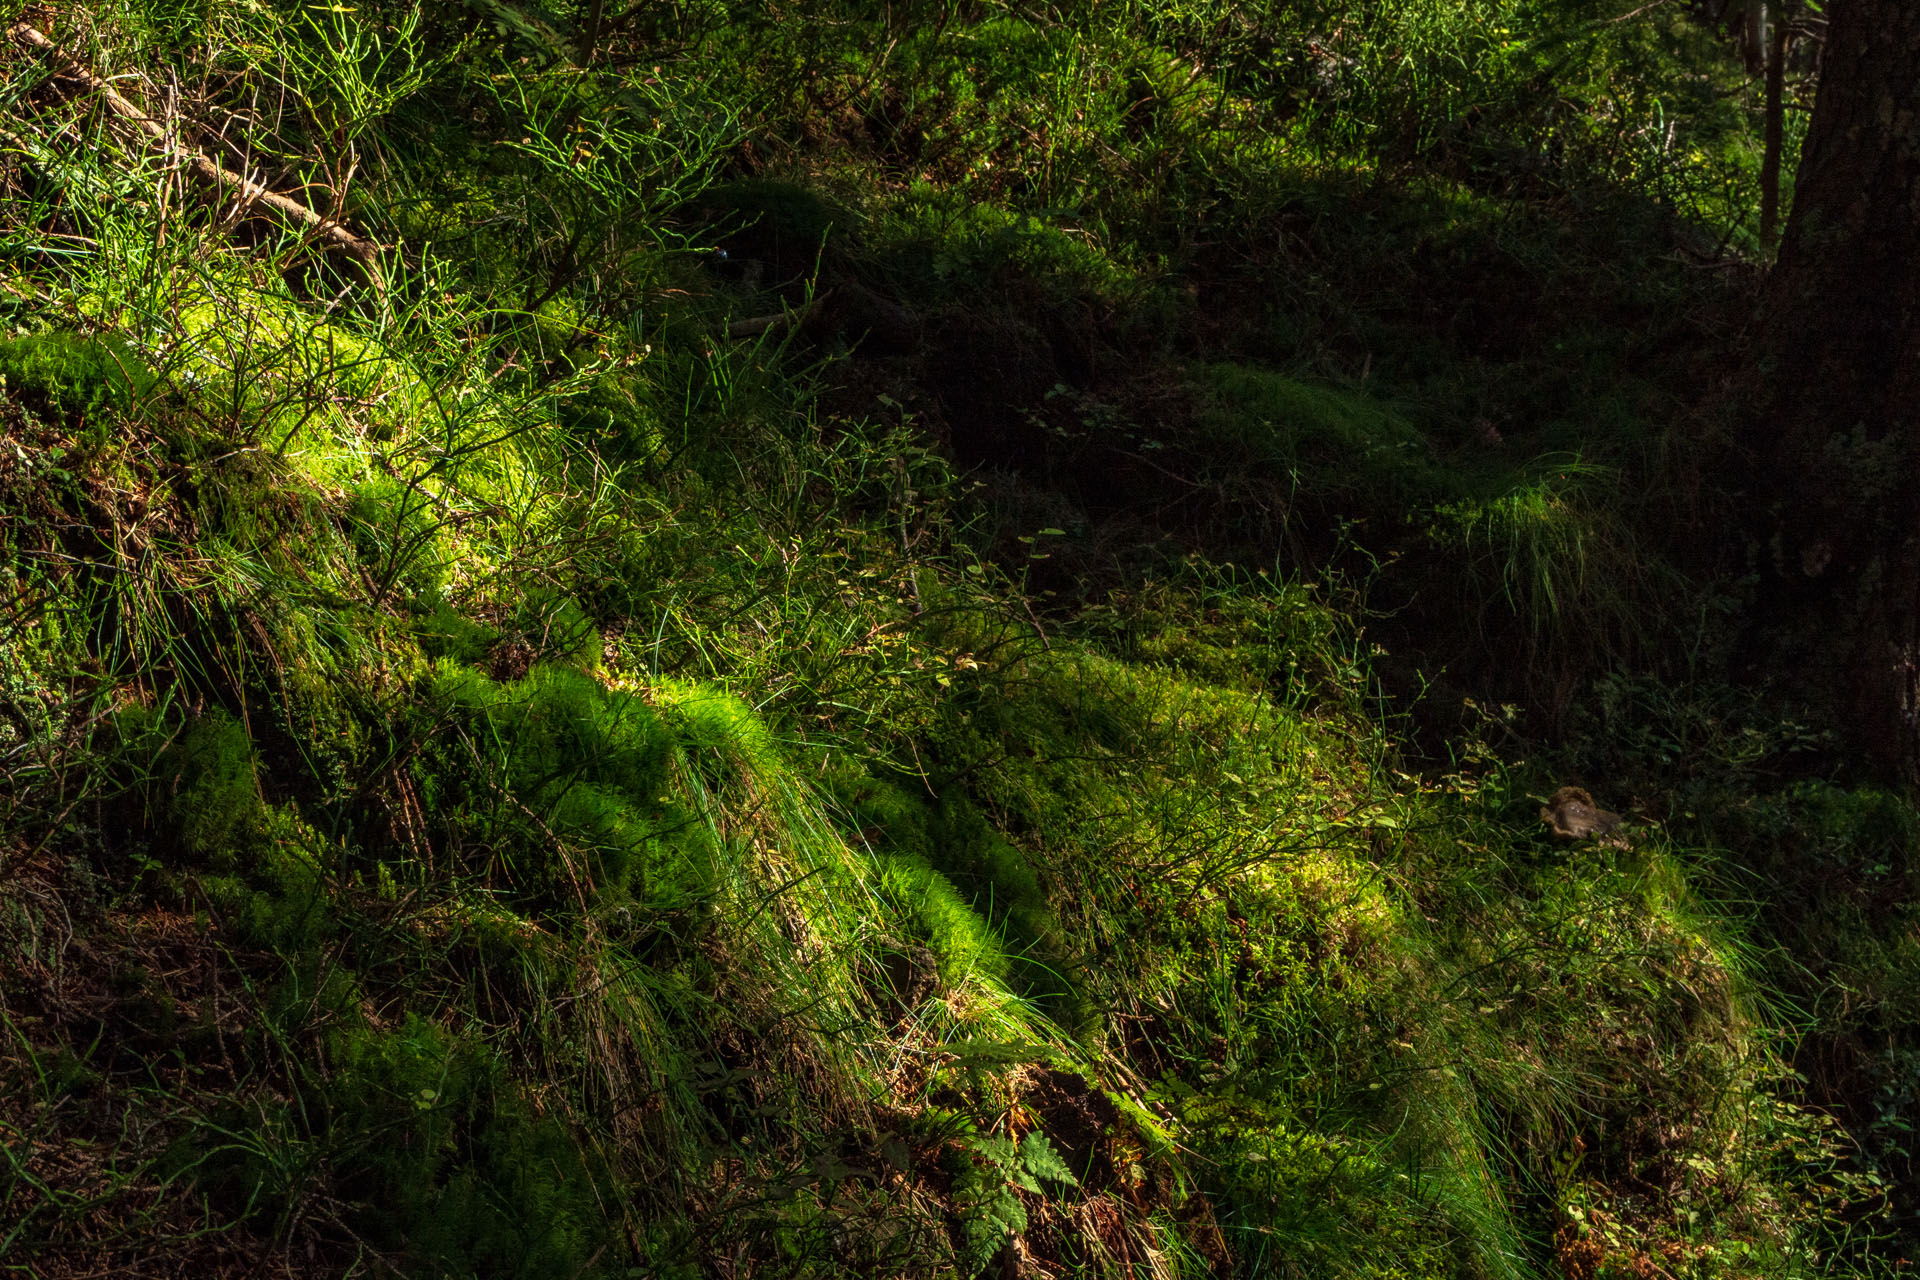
(508, 772)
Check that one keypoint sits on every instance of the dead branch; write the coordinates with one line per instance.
(756, 325)
(246, 191)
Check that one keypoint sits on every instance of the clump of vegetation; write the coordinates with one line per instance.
(909, 645)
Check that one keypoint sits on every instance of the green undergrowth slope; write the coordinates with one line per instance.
(704, 712)
(469, 942)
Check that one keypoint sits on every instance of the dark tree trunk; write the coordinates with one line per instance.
(1775, 136)
(1836, 433)
(1753, 36)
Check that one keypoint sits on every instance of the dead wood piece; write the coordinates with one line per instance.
(754, 326)
(1572, 815)
(246, 191)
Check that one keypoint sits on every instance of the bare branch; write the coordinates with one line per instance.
(244, 189)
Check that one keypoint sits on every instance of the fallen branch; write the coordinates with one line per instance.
(246, 191)
(756, 325)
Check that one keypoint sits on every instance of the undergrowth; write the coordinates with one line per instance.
(794, 678)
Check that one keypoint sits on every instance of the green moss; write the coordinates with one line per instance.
(558, 629)
(1290, 1195)
(1337, 446)
(617, 415)
(458, 1170)
(576, 763)
(447, 633)
(398, 536)
(1554, 558)
(74, 376)
(442, 1162)
(214, 797)
(622, 727)
(1003, 887)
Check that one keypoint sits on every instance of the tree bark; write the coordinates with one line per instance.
(1836, 432)
(1753, 36)
(1775, 136)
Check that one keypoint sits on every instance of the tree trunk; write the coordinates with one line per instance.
(1753, 36)
(1837, 433)
(1775, 136)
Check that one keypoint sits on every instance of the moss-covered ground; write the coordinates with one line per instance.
(916, 640)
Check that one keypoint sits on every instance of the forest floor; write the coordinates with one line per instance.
(790, 641)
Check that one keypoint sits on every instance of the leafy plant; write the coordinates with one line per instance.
(988, 1189)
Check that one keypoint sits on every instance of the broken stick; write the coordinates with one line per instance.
(246, 191)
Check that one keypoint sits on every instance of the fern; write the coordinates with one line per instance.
(989, 1190)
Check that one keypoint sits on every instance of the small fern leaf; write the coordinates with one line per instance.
(1039, 1159)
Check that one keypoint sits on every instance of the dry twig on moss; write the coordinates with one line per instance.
(246, 191)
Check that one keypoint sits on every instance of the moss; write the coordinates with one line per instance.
(1337, 446)
(724, 729)
(458, 1170)
(440, 1159)
(617, 415)
(962, 941)
(445, 632)
(214, 797)
(591, 819)
(398, 536)
(581, 770)
(1331, 1204)
(1003, 887)
(557, 629)
(74, 376)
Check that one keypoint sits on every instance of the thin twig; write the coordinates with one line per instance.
(1629, 17)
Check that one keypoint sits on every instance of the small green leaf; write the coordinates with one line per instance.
(1038, 1158)
(996, 1151)
(990, 1224)
(984, 1052)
